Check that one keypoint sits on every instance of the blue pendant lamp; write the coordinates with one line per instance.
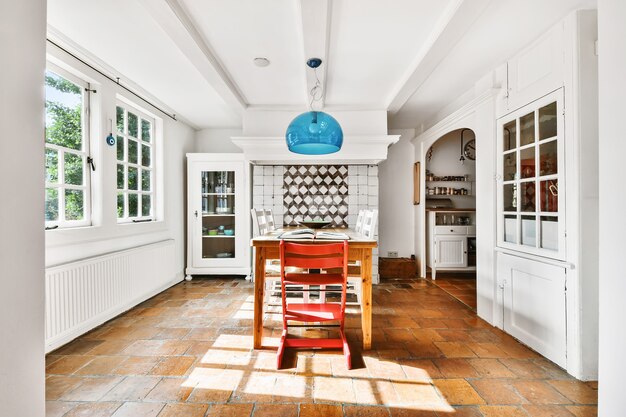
(314, 132)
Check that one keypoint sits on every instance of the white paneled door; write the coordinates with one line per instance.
(534, 297)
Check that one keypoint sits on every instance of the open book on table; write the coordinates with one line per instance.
(312, 234)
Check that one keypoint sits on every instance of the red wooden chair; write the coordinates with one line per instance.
(314, 256)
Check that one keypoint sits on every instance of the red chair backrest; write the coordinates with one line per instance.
(314, 255)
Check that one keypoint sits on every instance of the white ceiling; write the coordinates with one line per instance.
(412, 57)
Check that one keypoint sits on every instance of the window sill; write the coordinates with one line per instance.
(100, 233)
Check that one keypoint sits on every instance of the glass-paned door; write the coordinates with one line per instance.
(531, 215)
(218, 214)
(218, 204)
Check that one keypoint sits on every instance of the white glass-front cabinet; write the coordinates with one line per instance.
(531, 203)
(218, 229)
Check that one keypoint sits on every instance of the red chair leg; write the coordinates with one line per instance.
(281, 350)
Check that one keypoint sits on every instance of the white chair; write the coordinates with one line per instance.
(359, 221)
(262, 223)
(366, 225)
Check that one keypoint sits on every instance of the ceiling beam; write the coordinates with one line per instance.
(172, 17)
(316, 20)
(453, 24)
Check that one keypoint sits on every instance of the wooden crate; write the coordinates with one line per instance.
(396, 268)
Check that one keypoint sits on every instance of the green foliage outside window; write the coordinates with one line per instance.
(64, 128)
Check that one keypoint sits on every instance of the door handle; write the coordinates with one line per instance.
(196, 213)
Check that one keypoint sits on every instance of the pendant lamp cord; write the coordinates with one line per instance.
(316, 92)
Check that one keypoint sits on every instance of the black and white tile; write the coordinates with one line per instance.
(315, 192)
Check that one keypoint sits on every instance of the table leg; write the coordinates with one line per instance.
(366, 297)
(259, 288)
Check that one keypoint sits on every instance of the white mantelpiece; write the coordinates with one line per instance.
(367, 150)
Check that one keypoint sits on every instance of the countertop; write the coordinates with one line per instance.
(452, 210)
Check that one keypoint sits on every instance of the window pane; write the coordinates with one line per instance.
(145, 130)
(120, 176)
(132, 124)
(120, 205)
(510, 197)
(73, 204)
(509, 166)
(529, 231)
(547, 121)
(52, 165)
(120, 119)
(145, 180)
(527, 162)
(120, 148)
(549, 195)
(132, 178)
(145, 155)
(132, 205)
(548, 158)
(145, 205)
(528, 196)
(52, 204)
(73, 169)
(510, 228)
(132, 151)
(527, 129)
(550, 232)
(509, 132)
(64, 103)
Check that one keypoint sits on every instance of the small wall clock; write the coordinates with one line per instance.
(469, 150)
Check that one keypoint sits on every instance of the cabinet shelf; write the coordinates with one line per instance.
(218, 215)
(218, 194)
(218, 236)
(450, 181)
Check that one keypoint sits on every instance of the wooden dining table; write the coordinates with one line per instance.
(266, 247)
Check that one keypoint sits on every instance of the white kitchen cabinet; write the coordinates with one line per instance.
(451, 251)
(451, 246)
(218, 225)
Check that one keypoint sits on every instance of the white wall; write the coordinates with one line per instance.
(395, 176)
(65, 245)
(612, 90)
(22, 43)
(217, 141)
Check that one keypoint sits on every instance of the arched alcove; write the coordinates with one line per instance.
(450, 213)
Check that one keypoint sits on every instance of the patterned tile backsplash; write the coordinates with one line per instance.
(315, 192)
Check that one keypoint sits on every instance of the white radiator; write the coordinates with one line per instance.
(84, 294)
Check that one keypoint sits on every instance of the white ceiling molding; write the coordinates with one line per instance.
(316, 18)
(369, 150)
(452, 25)
(171, 16)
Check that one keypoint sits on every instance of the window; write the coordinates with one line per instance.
(135, 164)
(531, 214)
(67, 199)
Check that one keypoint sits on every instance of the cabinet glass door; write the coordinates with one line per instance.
(530, 170)
(218, 214)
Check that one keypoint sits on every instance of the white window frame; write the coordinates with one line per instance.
(60, 185)
(153, 145)
(560, 252)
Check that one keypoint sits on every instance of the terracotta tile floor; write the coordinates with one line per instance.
(461, 286)
(186, 352)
